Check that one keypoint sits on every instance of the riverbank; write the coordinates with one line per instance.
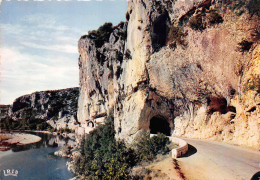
(37, 161)
(39, 131)
(9, 139)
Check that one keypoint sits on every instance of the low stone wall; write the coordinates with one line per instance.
(181, 149)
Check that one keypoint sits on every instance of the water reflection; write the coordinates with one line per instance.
(37, 161)
(48, 140)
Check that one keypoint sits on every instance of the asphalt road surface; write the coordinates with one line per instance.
(207, 160)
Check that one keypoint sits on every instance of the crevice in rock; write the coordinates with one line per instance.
(118, 72)
(252, 109)
(217, 104)
(99, 115)
(92, 93)
(160, 30)
(98, 86)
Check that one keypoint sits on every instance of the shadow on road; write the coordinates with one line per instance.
(256, 176)
(191, 150)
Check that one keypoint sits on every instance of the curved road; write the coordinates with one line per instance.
(207, 160)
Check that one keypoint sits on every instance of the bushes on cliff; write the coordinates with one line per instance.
(24, 124)
(252, 6)
(102, 157)
(214, 18)
(101, 35)
(252, 84)
(196, 23)
(203, 19)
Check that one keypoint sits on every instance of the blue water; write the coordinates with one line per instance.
(36, 161)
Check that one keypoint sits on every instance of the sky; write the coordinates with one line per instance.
(38, 42)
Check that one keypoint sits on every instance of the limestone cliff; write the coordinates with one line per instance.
(57, 107)
(188, 68)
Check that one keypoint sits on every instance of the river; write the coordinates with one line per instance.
(35, 161)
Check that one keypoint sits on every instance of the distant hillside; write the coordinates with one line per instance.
(55, 109)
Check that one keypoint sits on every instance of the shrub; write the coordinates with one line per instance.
(65, 130)
(196, 22)
(101, 35)
(253, 7)
(253, 84)
(203, 19)
(214, 18)
(148, 148)
(102, 157)
(24, 124)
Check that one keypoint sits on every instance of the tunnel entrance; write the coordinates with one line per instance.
(158, 124)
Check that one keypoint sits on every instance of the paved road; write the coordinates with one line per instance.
(209, 160)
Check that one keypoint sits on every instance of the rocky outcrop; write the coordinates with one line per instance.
(58, 108)
(188, 68)
(100, 65)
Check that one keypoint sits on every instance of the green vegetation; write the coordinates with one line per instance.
(148, 148)
(214, 18)
(102, 34)
(60, 102)
(253, 84)
(24, 124)
(66, 130)
(31, 116)
(196, 23)
(252, 6)
(122, 32)
(102, 157)
(204, 19)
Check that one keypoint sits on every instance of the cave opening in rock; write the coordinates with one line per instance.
(160, 31)
(159, 124)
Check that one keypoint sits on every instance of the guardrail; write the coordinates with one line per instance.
(180, 150)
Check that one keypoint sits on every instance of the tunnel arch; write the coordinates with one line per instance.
(159, 124)
(90, 124)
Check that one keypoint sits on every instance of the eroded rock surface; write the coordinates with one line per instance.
(192, 63)
(58, 108)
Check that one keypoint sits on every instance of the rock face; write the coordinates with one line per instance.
(58, 108)
(188, 68)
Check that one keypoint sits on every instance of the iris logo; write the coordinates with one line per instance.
(10, 172)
